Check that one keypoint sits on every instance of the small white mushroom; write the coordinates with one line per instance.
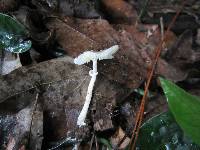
(85, 58)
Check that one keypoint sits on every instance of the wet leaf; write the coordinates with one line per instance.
(185, 108)
(12, 35)
(63, 87)
(18, 128)
(163, 133)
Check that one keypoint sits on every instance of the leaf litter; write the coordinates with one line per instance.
(72, 27)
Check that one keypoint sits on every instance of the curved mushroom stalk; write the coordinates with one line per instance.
(93, 73)
(94, 57)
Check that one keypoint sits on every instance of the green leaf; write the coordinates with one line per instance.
(185, 108)
(141, 92)
(105, 142)
(12, 35)
(161, 132)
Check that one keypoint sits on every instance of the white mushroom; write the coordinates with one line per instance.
(85, 58)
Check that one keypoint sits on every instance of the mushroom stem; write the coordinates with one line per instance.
(86, 57)
(93, 73)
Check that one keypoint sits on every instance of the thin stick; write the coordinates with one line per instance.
(96, 143)
(162, 27)
(122, 140)
(91, 142)
(33, 113)
(141, 110)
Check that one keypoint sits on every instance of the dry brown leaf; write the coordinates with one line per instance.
(119, 11)
(131, 62)
(117, 138)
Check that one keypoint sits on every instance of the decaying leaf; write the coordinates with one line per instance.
(134, 58)
(182, 55)
(188, 19)
(9, 62)
(128, 111)
(58, 27)
(118, 137)
(119, 11)
(15, 129)
(62, 86)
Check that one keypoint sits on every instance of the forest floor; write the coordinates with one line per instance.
(42, 94)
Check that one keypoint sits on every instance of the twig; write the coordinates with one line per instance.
(140, 114)
(67, 140)
(96, 143)
(33, 111)
(122, 140)
(161, 28)
(2, 55)
(91, 142)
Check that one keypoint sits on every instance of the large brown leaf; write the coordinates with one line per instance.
(132, 61)
(62, 88)
(76, 36)
(119, 11)
(22, 128)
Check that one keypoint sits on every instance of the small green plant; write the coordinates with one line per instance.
(184, 107)
(13, 35)
(178, 128)
(105, 142)
(162, 132)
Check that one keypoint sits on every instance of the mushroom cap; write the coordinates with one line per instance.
(87, 56)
